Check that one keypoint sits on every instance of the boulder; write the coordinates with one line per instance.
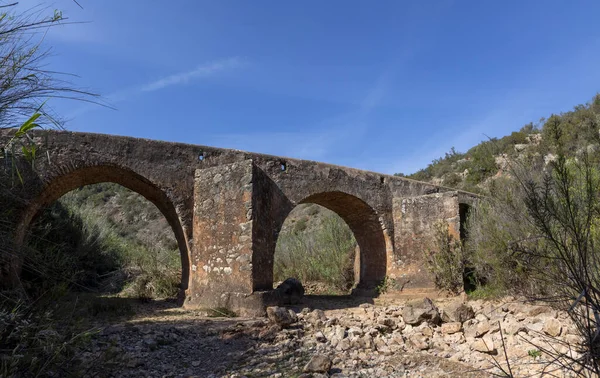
(419, 342)
(457, 312)
(552, 327)
(451, 328)
(484, 345)
(281, 316)
(318, 364)
(417, 313)
(291, 291)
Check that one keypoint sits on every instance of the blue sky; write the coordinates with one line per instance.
(385, 86)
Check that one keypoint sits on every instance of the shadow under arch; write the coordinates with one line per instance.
(364, 224)
(62, 184)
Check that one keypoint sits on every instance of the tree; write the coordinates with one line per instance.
(25, 83)
(564, 255)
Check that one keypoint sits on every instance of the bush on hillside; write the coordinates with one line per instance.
(494, 226)
(447, 262)
(324, 254)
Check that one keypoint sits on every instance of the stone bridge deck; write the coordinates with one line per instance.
(226, 208)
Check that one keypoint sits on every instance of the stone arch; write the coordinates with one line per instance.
(364, 223)
(66, 182)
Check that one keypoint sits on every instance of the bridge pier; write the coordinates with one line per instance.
(226, 208)
(230, 264)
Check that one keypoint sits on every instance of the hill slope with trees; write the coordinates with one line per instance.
(534, 145)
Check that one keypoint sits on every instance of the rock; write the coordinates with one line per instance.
(552, 327)
(316, 315)
(385, 321)
(320, 337)
(355, 331)
(450, 328)
(416, 314)
(280, 316)
(343, 344)
(482, 328)
(419, 342)
(134, 363)
(463, 313)
(539, 310)
(269, 333)
(536, 326)
(484, 346)
(520, 147)
(366, 342)
(318, 364)
(457, 312)
(291, 291)
(512, 327)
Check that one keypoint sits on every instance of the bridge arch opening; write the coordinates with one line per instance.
(370, 266)
(83, 177)
(317, 247)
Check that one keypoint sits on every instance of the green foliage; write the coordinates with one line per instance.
(482, 163)
(321, 254)
(70, 246)
(494, 226)
(25, 82)
(534, 353)
(220, 312)
(452, 180)
(35, 341)
(300, 225)
(448, 262)
(439, 167)
(570, 133)
(386, 285)
(87, 241)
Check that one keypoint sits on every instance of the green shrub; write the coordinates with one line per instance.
(496, 226)
(77, 242)
(313, 210)
(323, 254)
(448, 261)
(36, 342)
(452, 180)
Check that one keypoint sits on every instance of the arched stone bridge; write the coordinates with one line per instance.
(226, 208)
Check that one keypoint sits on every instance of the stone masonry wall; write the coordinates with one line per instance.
(414, 223)
(221, 260)
(271, 207)
(226, 207)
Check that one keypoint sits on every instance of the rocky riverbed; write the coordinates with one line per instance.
(336, 337)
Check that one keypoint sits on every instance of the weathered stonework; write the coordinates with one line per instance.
(415, 219)
(222, 256)
(226, 208)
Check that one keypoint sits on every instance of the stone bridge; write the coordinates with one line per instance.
(226, 208)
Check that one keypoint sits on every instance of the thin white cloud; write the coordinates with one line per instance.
(201, 71)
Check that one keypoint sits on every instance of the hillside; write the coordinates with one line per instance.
(534, 145)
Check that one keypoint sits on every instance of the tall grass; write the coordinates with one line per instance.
(74, 246)
(322, 254)
(79, 243)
